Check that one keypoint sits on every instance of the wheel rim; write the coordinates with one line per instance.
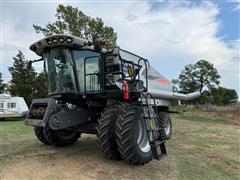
(142, 140)
(66, 134)
(167, 127)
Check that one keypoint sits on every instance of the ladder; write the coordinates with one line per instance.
(154, 128)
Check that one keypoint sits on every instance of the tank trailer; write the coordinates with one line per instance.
(114, 94)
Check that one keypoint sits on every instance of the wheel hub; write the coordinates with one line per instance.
(142, 140)
(167, 127)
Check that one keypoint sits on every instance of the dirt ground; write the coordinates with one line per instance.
(198, 150)
(86, 163)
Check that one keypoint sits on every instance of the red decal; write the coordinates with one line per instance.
(163, 81)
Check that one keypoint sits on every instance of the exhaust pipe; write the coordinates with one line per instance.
(160, 94)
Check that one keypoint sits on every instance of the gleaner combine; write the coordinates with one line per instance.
(114, 94)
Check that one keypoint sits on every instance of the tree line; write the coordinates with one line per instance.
(201, 76)
(25, 82)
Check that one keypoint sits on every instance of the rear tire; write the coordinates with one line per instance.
(60, 137)
(106, 131)
(167, 123)
(131, 136)
(40, 136)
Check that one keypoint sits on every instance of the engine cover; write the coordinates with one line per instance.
(58, 116)
(66, 117)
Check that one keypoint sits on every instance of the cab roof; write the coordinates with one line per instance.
(60, 40)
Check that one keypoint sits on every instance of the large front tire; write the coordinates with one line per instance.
(40, 135)
(106, 131)
(131, 136)
(60, 137)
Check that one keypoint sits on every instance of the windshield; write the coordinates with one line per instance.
(59, 69)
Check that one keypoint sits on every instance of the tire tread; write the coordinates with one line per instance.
(124, 127)
(105, 130)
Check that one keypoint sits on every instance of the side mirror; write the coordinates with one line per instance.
(29, 65)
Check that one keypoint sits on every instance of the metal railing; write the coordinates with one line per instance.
(97, 80)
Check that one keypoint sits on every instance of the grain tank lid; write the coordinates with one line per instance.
(60, 40)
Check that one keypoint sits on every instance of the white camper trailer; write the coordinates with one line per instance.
(12, 107)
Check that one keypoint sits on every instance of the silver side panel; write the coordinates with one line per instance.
(158, 85)
(161, 88)
(156, 80)
(159, 102)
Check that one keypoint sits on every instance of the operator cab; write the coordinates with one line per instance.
(64, 68)
(72, 65)
(76, 66)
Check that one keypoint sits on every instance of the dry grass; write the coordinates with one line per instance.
(202, 147)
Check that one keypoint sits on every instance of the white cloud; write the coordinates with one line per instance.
(171, 36)
(237, 5)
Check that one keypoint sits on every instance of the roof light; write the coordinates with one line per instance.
(49, 41)
(69, 40)
(54, 40)
(61, 40)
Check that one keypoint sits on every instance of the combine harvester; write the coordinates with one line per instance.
(114, 94)
(12, 107)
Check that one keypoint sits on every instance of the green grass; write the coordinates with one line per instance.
(201, 147)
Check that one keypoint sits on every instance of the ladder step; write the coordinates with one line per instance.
(147, 118)
(153, 130)
(158, 150)
(158, 142)
(151, 116)
(149, 105)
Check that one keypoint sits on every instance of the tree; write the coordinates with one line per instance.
(218, 96)
(2, 85)
(23, 78)
(25, 81)
(195, 77)
(41, 86)
(72, 21)
(223, 96)
(175, 85)
(206, 98)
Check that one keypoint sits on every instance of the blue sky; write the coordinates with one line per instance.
(171, 34)
(229, 16)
